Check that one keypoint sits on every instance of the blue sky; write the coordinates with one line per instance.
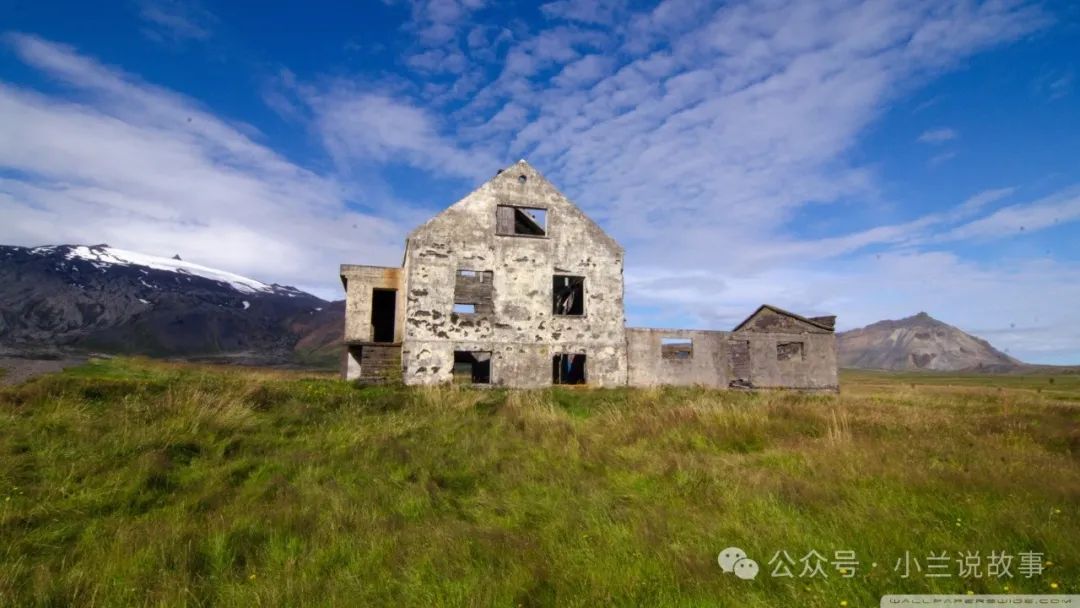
(869, 159)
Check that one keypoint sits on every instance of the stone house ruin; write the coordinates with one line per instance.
(514, 286)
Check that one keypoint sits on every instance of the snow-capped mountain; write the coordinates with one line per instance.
(104, 298)
(102, 257)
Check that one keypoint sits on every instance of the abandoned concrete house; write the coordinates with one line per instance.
(514, 286)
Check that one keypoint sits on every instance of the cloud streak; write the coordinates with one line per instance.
(937, 136)
(176, 20)
(145, 169)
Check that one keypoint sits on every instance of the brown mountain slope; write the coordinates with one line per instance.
(919, 342)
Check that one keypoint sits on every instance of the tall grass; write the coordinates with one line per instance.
(131, 482)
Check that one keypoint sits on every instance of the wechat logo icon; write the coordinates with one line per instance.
(733, 560)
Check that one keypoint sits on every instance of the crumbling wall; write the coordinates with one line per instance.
(705, 365)
(817, 369)
(359, 282)
(521, 330)
(789, 352)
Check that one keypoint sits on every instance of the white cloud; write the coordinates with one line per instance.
(144, 169)
(720, 125)
(1058, 209)
(439, 25)
(584, 71)
(937, 136)
(595, 12)
(361, 126)
(176, 20)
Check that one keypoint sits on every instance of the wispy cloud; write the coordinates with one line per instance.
(176, 20)
(937, 136)
(1059, 209)
(363, 126)
(720, 125)
(942, 158)
(146, 169)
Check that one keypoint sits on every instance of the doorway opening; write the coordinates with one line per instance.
(383, 314)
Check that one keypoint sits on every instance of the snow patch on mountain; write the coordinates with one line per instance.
(101, 256)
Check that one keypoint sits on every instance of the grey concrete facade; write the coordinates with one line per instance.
(514, 286)
(705, 364)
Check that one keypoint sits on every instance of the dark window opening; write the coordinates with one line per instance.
(465, 309)
(789, 351)
(520, 221)
(383, 313)
(568, 295)
(676, 348)
(472, 367)
(568, 369)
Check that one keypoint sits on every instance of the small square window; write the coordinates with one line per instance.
(789, 351)
(472, 292)
(520, 221)
(676, 348)
(568, 369)
(568, 296)
(472, 367)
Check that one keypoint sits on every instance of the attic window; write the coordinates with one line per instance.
(568, 295)
(789, 351)
(676, 348)
(520, 221)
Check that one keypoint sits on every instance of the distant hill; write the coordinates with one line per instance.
(919, 342)
(100, 298)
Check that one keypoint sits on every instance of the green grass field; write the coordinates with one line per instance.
(131, 482)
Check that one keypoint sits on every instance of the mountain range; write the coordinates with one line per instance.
(100, 298)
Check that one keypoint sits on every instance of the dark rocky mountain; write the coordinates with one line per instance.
(73, 297)
(919, 342)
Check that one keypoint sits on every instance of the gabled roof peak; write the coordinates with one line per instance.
(819, 322)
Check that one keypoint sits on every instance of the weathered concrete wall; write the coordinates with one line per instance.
(774, 366)
(521, 330)
(359, 282)
(707, 364)
(815, 370)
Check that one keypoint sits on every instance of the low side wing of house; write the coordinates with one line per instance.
(786, 350)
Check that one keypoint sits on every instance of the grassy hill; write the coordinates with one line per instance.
(130, 482)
